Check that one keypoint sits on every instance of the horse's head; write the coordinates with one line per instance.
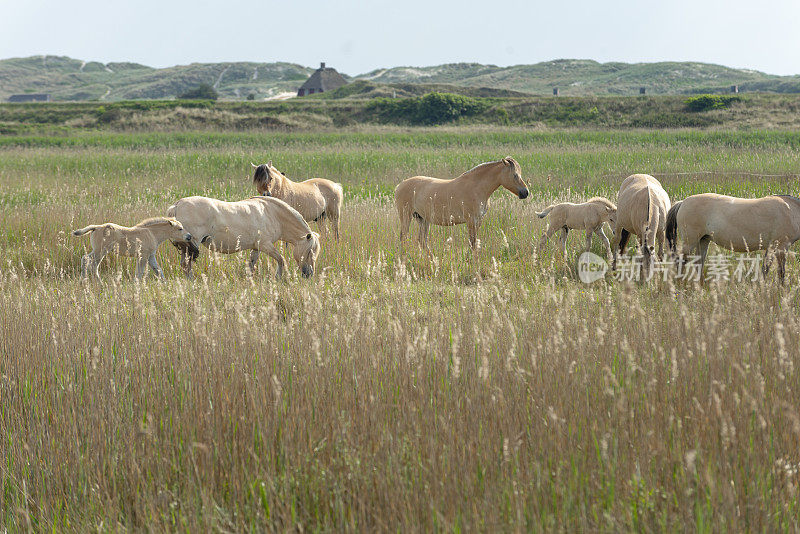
(177, 232)
(611, 214)
(511, 178)
(306, 250)
(264, 177)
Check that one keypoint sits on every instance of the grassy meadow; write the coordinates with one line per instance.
(391, 392)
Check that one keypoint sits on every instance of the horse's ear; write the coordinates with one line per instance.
(269, 163)
(308, 236)
(253, 165)
(507, 161)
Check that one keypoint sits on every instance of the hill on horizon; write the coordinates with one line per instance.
(73, 79)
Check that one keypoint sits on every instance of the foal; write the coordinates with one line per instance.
(140, 241)
(588, 216)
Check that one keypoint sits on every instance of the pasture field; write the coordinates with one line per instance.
(390, 392)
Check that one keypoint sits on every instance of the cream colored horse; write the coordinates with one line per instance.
(588, 216)
(316, 199)
(737, 224)
(140, 242)
(642, 206)
(254, 224)
(461, 200)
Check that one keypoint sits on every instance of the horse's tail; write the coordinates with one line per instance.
(334, 205)
(542, 214)
(672, 225)
(90, 228)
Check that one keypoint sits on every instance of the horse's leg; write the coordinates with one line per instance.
(602, 236)
(333, 221)
(251, 265)
(96, 264)
(86, 262)
(423, 235)
(275, 254)
(647, 258)
(473, 226)
(618, 245)
(154, 265)
(780, 255)
(323, 228)
(768, 257)
(141, 266)
(405, 222)
(186, 258)
(661, 236)
(550, 232)
(589, 233)
(702, 248)
(563, 242)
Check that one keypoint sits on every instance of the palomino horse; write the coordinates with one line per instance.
(737, 224)
(642, 206)
(461, 200)
(588, 216)
(140, 241)
(254, 224)
(316, 199)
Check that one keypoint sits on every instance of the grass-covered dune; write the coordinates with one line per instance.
(343, 110)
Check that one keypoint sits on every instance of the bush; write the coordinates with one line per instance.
(433, 108)
(708, 102)
(202, 91)
(108, 114)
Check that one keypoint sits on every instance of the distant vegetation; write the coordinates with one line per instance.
(203, 91)
(659, 112)
(433, 108)
(72, 79)
(707, 102)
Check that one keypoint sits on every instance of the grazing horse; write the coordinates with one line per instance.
(737, 224)
(254, 224)
(316, 199)
(461, 200)
(140, 241)
(588, 216)
(642, 206)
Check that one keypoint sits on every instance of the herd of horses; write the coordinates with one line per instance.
(284, 209)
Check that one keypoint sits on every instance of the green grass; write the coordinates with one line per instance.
(392, 391)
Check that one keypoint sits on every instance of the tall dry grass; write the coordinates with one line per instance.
(389, 392)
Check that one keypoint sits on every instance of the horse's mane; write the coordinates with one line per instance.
(486, 164)
(293, 212)
(153, 221)
(790, 197)
(260, 174)
(604, 201)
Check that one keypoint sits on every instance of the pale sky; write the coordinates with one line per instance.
(356, 37)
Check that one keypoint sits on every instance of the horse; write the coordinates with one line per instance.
(464, 199)
(316, 199)
(254, 224)
(588, 216)
(737, 224)
(140, 241)
(642, 206)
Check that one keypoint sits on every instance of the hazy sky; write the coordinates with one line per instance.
(356, 37)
